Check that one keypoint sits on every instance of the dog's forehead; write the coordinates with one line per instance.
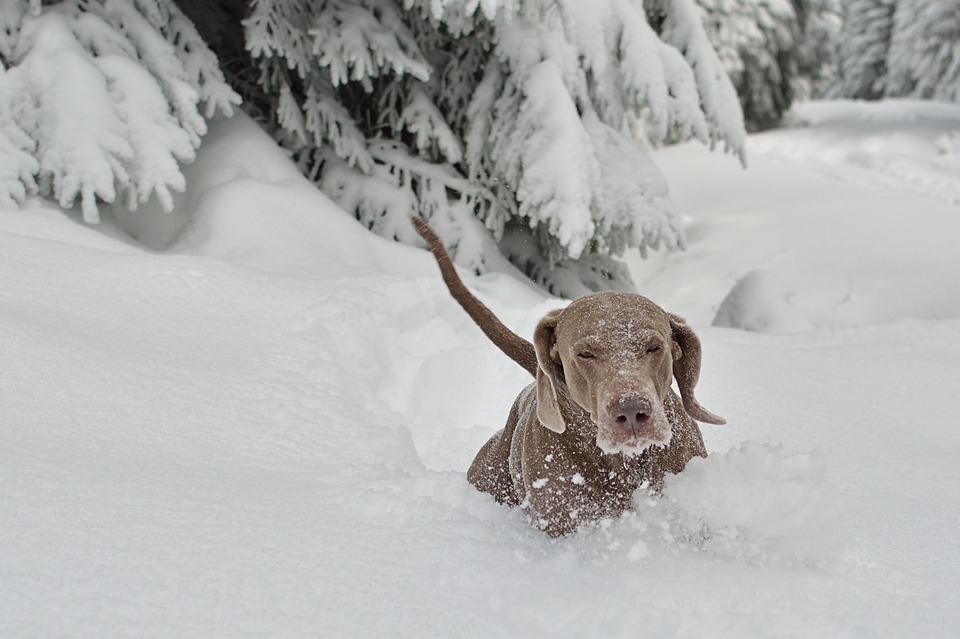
(612, 316)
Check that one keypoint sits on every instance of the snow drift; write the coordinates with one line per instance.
(260, 426)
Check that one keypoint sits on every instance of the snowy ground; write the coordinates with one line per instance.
(263, 429)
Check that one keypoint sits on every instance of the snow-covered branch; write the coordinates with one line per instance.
(100, 103)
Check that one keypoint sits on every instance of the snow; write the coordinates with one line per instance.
(854, 216)
(760, 302)
(255, 418)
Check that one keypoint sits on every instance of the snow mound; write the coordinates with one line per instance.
(753, 503)
(761, 302)
(758, 501)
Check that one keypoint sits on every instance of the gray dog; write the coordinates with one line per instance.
(601, 419)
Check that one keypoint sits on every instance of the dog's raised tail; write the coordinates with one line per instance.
(515, 347)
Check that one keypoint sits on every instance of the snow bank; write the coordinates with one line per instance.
(853, 214)
(760, 302)
(754, 503)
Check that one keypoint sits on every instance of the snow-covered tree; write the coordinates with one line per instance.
(865, 38)
(518, 127)
(924, 58)
(101, 99)
(818, 46)
(900, 48)
(774, 50)
(518, 115)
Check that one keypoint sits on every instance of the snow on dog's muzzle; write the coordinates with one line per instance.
(632, 424)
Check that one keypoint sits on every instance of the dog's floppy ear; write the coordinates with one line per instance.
(686, 369)
(549, 374)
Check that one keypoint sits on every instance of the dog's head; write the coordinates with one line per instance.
(615, 355)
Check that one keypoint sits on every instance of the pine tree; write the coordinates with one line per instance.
(518, 127)
(865, 36)
(818, 46)
(514, 120)
(99, 99)
(924, 56)
(900, 48)
(774, 50)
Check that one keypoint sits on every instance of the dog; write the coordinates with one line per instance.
(601, 418)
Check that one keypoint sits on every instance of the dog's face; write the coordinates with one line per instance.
(615, 355)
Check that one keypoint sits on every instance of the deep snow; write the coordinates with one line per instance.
(262, 428)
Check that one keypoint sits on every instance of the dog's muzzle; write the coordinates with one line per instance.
(633, 423)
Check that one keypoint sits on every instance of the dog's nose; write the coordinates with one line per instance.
(631, 412)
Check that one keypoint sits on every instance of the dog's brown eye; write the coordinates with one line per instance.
(654, 349)
(586, 355)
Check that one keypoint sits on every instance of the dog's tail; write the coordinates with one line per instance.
(515, 347)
